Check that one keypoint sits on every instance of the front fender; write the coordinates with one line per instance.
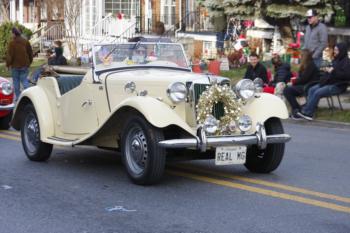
(156, 112)
(264, 107)
(36, 96)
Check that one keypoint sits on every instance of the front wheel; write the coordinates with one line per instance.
(267, 160)
(35, 149)
(143, 159)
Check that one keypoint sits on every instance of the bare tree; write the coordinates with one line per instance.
(5, 9)
(72, 11)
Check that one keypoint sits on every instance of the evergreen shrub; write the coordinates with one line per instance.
(6, 35)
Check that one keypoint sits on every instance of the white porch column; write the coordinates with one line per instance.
(146, 15)
(20, 13)
(13, 10)
(101, 9)
(83, 17)
(90, 15)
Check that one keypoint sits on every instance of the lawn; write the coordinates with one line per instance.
(337, 115)
(6, 73)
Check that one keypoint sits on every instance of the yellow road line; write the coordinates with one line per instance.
(251, 188)
(10, 137)
(262, 191)
(269, 184)
(15, 133)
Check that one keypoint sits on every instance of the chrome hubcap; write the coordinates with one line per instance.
(31, 134)
(136, 150)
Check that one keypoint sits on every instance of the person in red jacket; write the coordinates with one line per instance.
(18, 58)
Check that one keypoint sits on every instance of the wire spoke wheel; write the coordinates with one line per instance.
(35, 149)
(31, 133)
(136, 150)
(143, 159)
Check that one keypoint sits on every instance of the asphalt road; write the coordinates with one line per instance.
(85, 190)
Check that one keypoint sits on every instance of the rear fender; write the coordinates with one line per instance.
(37, 97)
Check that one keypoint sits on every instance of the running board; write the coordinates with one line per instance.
(60, 141)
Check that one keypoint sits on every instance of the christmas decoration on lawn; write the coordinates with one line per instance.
(219, 94)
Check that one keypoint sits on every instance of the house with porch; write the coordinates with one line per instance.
(106, 20)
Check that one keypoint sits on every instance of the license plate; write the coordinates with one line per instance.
(230, 155)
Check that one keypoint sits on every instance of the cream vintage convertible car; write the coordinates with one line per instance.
(142, 99)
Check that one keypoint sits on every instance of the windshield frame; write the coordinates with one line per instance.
(98, 69)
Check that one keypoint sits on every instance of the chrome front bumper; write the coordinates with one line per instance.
(203, 143)
(7, 107)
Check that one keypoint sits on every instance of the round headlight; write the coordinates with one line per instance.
(177, 92)
(259, 84)
(211, 124)
(245, 88)
(6, 88)
(245, 123)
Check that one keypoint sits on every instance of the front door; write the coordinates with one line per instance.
(77, 111)
(168, 13)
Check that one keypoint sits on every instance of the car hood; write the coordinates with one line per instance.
(161, 76)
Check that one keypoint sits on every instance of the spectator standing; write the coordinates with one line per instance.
(308, 72)
(18, 58)
(316, 36)
(333, 81)
(255, 69)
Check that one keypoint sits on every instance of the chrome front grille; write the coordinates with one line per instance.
(198, 89)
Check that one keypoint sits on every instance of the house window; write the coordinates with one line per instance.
(90, 15)
(168, 12)
(130, 8)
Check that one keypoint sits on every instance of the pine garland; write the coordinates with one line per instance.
(214, 95)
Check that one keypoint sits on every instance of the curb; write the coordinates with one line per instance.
(328, 124)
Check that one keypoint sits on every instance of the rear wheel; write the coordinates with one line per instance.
(267, 160)
(143, 159)
(35, 149)
(5, 121)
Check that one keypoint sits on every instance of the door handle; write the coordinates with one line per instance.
(86, 103)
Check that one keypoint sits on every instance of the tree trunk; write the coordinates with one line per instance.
(4, 10)
(286, 31)
(38, 13)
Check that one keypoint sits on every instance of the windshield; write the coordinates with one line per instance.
(108, 56)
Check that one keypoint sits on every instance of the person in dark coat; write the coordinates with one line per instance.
(18, 58)
(58, 59)
(255, 69)
(308, 73)
(334, 81)
(282, 71)
(54, 57)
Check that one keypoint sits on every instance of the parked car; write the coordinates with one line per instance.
(142, 99)
(6, 103)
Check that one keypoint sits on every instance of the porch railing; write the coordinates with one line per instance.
(55, 32)
(43, 37)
